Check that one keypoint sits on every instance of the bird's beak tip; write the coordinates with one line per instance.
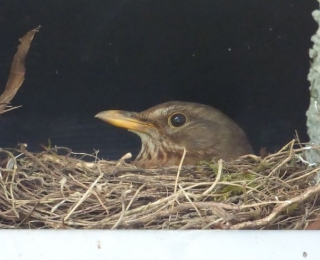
(98, 115)
(107, 114)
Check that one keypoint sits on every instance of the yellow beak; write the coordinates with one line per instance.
(125, 119)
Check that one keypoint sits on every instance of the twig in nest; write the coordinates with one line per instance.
(186, 195)
(278, 209)
(28, 216)
(84, 195)
(216, 180)
(179, 169)
(291, 152)
(123, 212)
(23, 149)
(134, 196)
(123, 158)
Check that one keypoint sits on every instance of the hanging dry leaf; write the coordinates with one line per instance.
(17, 71)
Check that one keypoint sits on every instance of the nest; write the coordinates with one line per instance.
(56, 189)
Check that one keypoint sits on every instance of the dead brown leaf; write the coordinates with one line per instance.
(17, 72)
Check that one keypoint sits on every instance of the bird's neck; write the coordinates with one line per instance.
(157, 153)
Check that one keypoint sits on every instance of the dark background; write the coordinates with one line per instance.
(247, 58)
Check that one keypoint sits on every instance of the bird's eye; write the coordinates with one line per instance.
(177, 120)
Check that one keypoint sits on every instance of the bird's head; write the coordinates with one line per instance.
(169, 128)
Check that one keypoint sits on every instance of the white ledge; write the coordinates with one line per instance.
(151, 245)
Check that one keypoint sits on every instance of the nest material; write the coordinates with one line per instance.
(53, 189)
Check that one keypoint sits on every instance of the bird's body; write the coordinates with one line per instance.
(169, 128)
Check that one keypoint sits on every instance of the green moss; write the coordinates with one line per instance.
(292, 208)
(238, 176)
(227, 191)
(212, 165)
(262, 166)
(233, 190)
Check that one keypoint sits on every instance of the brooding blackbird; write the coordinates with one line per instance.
(166, 129)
